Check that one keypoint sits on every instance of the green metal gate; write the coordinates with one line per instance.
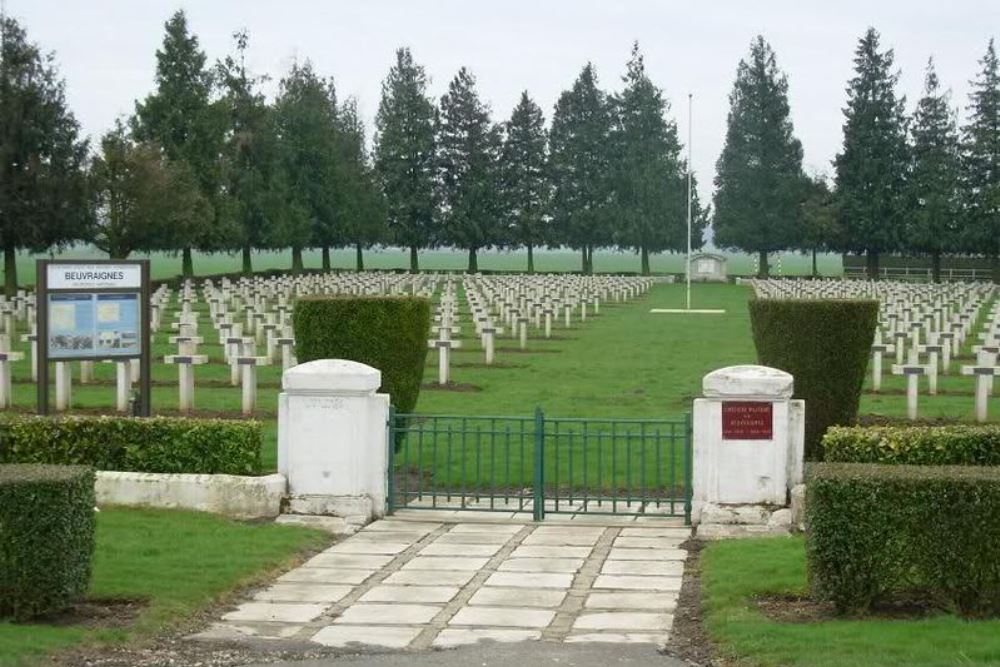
(540, 465)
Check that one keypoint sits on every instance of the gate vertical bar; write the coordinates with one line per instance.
(539, 484)
(390, 482)
(688, 469)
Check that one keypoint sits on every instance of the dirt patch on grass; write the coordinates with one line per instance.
(451, 386)
(785, 608)
(96, 613)
(688, 639)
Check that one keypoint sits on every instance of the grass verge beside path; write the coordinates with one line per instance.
(734, 572)
(178, 562)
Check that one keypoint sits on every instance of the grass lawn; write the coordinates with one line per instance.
(625, 363)
(733, 572)
(180, 562)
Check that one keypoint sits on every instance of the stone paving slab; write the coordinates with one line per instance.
(441, 581)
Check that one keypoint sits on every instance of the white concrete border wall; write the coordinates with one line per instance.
(234, 496)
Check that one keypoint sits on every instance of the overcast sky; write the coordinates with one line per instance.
(105, 49)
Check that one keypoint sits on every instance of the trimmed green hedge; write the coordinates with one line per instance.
(825, 345)
(132, 444)
(875, 530)
(46, 538)
(387, 333)
(965, 444)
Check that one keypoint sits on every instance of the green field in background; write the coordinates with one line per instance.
(166, 265)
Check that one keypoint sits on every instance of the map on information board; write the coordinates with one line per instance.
(94, 326)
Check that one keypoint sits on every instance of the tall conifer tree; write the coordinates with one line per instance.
(759, 180)
(933, 183)
(359, 200)
(981, 163)
(468, 147)
(181, 118)
(42, 182)
(252, 171)
(581, 167)
(525, 184)
(306, 118)
(404, 155)
(650, 178)
(871, 167)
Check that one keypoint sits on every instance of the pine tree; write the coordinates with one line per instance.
(257, 192)
(306, 118)
(981, 163)
(42, 182)
(871, 167)
(580, 167)
(759, 179)
(468, 146)
(182, 119)
(650, 184)
(142, 200)
(359, 200)
(404, 155)
(525, 186)
(934, 176)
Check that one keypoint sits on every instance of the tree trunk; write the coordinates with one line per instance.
(359, 257)
(936, 266)
(10, 272)
(414, 263)
(187, 263)
(644, 253)
(871, 264)
(473, 261)
(583, 260)
(590, 260)
(247, 260)
(815, 268)
(531, 259)
(296, 260)
(763, 270)
(326, 258)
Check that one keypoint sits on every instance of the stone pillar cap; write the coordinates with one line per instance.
(331, 375)
(748, 382)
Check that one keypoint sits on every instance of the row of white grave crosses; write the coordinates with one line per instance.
(922, 325)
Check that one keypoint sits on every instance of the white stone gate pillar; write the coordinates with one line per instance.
(332, 439)
(748, 450)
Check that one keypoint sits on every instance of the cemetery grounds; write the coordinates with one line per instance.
(624, 363)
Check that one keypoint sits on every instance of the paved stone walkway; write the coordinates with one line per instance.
(420, 584)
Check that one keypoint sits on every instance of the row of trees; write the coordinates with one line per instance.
(914, 183)
(207, 163)
(608, 172)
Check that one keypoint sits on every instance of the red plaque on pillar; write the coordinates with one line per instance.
(747, 420)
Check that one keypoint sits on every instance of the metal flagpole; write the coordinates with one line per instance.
(689, 206)
(687, 310)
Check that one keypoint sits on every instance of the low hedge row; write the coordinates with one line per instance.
(158, 444)
(875, 530)
(964, 444)
(825, 345)
(46, 538)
